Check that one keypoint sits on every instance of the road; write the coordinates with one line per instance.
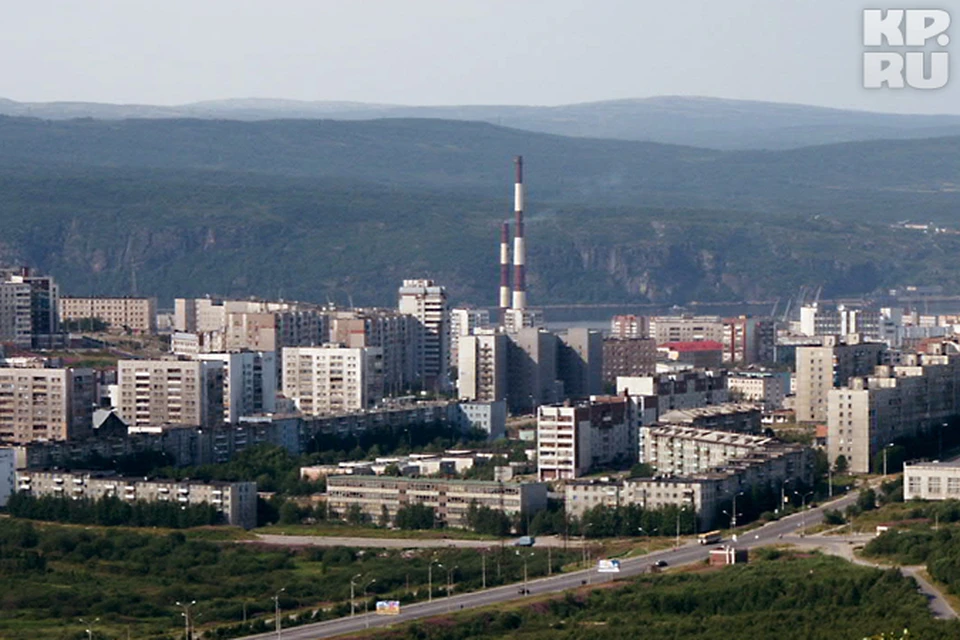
(630, 567)
(403, 543)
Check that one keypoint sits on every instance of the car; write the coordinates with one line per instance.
(660, 563)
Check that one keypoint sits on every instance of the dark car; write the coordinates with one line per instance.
(660, 563)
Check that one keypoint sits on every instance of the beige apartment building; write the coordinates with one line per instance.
(681, 450)
(830, 366)
(332, 379)
(903, 400)
(236, 501)
(170, 392)
(764, 388)
(449, 498)
(46, 404)
(482, 366)
(931, 481)
(137, 314)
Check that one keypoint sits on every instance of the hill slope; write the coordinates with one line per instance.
(695, 121)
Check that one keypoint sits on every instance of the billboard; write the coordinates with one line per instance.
(608, 566)
(388, 607)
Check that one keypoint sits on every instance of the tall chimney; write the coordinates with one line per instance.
(519, 250)
(504, 270)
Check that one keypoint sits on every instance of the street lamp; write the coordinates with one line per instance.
(647, 534)
(353, 586)
(187, 628)
(679, 511)
(89, 626)
(803, 509)
(430, 578)
(276, 609)
(733, 516)
(525, 557)
(885, 459)
(365, 595)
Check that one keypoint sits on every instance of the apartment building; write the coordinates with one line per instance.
(629, 327)
(686, 328)
(681, 450)
(931, 481)
(332, 378)
(573, 439)
(702, 354)
(249, 382)
(904, 400)
(488, 416)
(28, 307)
(46, 404)
(426, 301)
(397, 334)
(765, 388)
(449, 498)
(136, 314)
(482, 366)
(830, 366)
(728, 416)
(532, 378)
(747, 340)
(683, 390)
(580, 362)
(465, 322)
(236, 501)
(515, 320)
(628, 357)
(170, 392)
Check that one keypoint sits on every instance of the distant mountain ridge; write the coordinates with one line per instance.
(695, 121)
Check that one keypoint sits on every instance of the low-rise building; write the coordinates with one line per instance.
(450, 499)
(136, 314)
(490, 417)
(237, 501)
(681, 450)
(931, 481)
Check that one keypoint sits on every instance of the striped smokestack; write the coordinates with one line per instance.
(519, 250)
(504, 270)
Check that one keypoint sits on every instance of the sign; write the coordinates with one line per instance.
(906, 47)
(388, 607)
(608, 566)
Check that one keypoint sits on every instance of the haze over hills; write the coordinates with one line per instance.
(696, 121)
(312, 210)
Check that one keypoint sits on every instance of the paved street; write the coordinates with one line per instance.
(404, 543)
(781, 531)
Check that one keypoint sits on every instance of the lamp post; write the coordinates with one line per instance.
(525, 557)
(89, 626)
(367, 586)
(803, 509)
(187, 630)
(430, 578)
(353, 586)
(733, 516)
(647, 534)
(483, 568)
(679, 511)
(450, 573)
(885, 459)
(276, 609)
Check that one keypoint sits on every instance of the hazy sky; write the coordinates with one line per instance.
(448, 51)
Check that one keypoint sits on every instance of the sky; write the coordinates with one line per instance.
(446, 52)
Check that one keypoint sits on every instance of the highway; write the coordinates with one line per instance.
(629, 567)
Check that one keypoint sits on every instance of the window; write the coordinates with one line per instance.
(933, 485)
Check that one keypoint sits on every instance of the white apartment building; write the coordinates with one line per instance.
(451, 499)
(572, 440)
(465, 322)
(249, 382)
(332, 379)
(682, 390)
(822, 368)
(137, 314)
(762, 387)
(426, 301)
(236, 501)
(46, 404)
(8, 477)
(931, 481)
(482, 366)
(183, 392)
(680, 450)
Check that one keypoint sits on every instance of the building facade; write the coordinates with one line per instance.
(628, 357)
(629, 327)
(236, 501)
(580, 362)
(764, 388)
(183, 392)
(136, 314)
(8, 477)
(28, 308)
(426, 301)
(249, 382)
(46, 404)
(451, 499)
(830, 366)
(332, 379)
(572, 440)
(931, 481)
(482, 367)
